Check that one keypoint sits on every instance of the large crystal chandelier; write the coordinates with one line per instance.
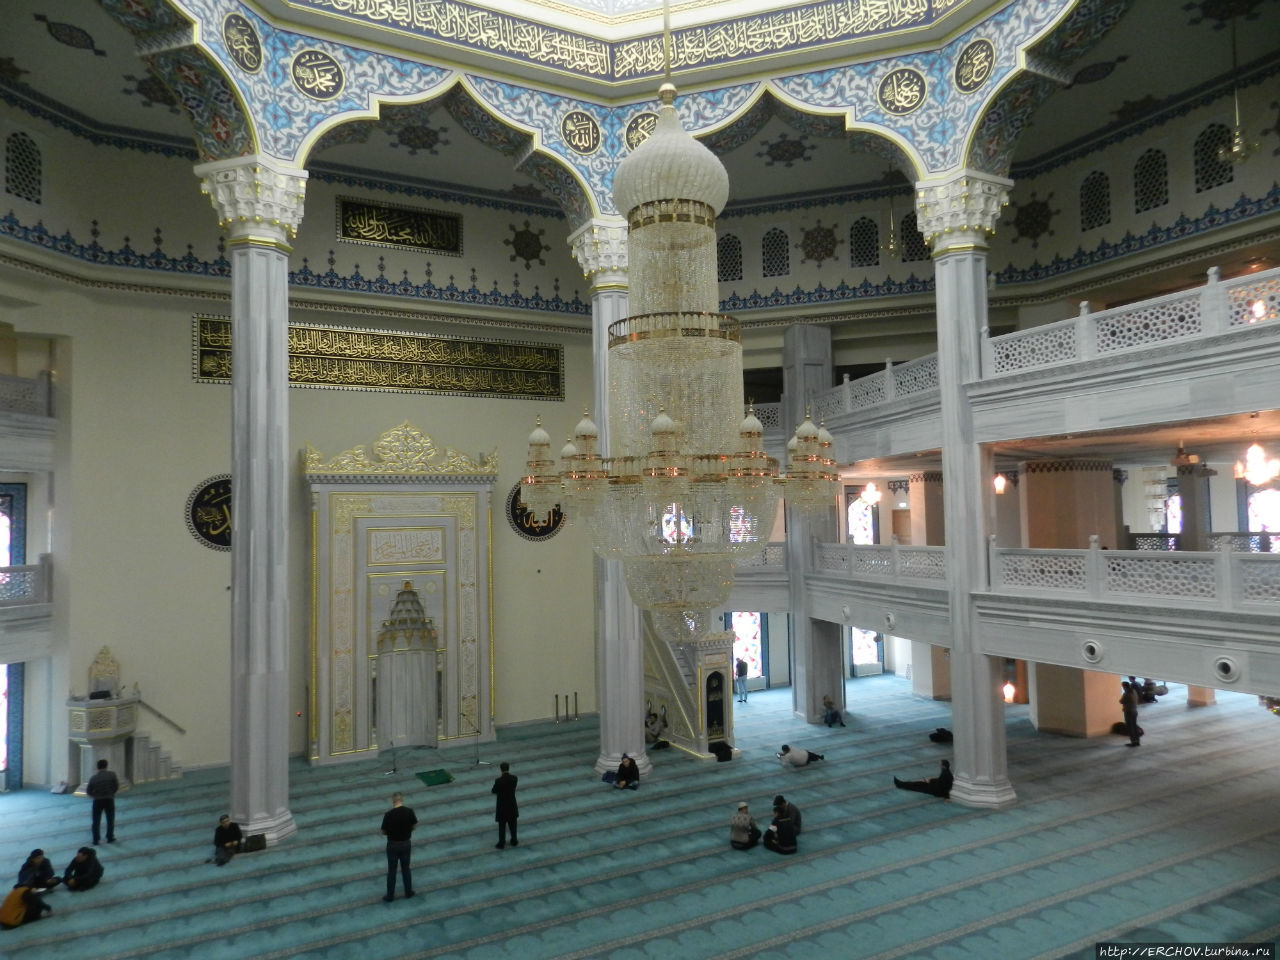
(688, 490)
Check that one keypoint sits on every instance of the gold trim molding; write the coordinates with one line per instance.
(401, 451)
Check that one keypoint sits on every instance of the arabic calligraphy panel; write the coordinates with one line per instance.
(241, 40)
(581, 132)
(317, 75)
(902, 91)
(974, 65)
(208, 512)
(382, 360)
(391, 225)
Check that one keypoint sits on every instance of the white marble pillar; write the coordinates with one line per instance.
(957, 216)
(259, 203)
(818, 662)
(600, 246)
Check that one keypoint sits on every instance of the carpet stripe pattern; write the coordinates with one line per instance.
(1175, 841)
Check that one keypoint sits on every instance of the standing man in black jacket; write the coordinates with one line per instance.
(505, 810)
(397, 825)
(102, 788)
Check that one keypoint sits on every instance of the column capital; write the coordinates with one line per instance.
(961, 211)
(255, 197)
(600, 247)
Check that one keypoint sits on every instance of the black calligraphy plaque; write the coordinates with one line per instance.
(639, 128)
(317, 75)
(209, 512)
(974, 65)
(242, 43)
(389, 225)
(580, 132)
(902, 91)
(528, 526)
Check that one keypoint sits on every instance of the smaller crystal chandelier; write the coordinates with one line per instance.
(1256, 468)
(812, 480)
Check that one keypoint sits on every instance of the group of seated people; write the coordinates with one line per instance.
(782, 832)
(36, 876)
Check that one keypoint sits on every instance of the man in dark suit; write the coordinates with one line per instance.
(397, 826)
(505, 810)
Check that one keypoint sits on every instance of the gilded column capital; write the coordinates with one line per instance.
(961, 211)
(255, 197)
(600, 247)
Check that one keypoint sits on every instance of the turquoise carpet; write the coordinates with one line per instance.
(1174, 842)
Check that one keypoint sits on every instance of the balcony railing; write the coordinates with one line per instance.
(1217, 307)
(1234, 542)
(891, 562)
(26, 584)
(885, 386)
(774, 557)
(1221, 579)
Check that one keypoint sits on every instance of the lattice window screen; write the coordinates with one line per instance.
(1212, 157)
(775, 254)
(1150, 181)
(22, 173)
(729, 258)
(1095, 201)
(913, 245)
(864, 243)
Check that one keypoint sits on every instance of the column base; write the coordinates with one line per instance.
(975, 794)
(277, 828)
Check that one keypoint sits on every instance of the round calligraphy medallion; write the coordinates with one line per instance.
(639, 128)
(317, 75)
(525, 525)
(974, 65)
(242, 42)
(580, 132)
(902, 91)
(209, 512)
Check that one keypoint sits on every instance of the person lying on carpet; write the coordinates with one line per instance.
(792, 757)
(939, 786)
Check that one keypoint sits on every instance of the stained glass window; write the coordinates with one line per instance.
(676, 525)
(1095, 201)
(729, 257)
(1264, 514)
(1173, 514)
(775, 255)
(1212, 157)
(864, 243)
(861, 523)
(1150, 181)
(747, 641)
(22, 168)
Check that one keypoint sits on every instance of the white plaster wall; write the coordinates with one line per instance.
(137, 435)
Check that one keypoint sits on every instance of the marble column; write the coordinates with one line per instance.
(600, 247)
(958, 215)
(817, 652)
(259, 202)
(927, 513)
(1193, 488)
